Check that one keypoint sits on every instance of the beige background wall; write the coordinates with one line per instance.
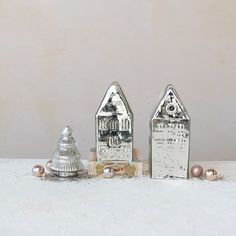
(58, 57)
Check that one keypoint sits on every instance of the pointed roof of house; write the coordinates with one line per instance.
(114, 102)
(171, 106)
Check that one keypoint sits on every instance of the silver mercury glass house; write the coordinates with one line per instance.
(170, 138)
(114, 127)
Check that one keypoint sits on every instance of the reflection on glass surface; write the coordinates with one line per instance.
(114, 127)
(170, 136)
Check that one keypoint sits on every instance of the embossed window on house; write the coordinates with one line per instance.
(114, 125)
(114, 141)
(124, 125)
(103, 124)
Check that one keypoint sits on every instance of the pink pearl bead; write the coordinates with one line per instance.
(197, 171)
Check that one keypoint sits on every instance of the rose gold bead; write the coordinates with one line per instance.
(38, 171)
(196, 171)
(211, 175)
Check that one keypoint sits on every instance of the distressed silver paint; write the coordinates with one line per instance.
(114, 127)
(170, 137)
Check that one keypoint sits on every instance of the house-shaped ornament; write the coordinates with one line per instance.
(170, 138)
(114, 153)
(114, 127)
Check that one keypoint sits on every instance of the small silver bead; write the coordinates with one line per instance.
(38, 171)
(48, 165)
(211, 174)
(108, 172)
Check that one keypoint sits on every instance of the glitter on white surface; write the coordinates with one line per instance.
(118, 206)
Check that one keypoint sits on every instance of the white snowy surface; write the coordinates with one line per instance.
(141, 206)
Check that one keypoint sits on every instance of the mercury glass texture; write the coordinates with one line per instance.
(170, 137)
(114, 127)
(66, 161)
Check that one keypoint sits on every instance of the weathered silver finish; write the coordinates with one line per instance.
(114, 127)
(170, 137)
(66, 161)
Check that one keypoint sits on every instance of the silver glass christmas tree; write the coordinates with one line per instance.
(66, 161)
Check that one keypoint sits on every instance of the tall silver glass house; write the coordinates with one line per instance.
(114, 127)
(170, 137)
